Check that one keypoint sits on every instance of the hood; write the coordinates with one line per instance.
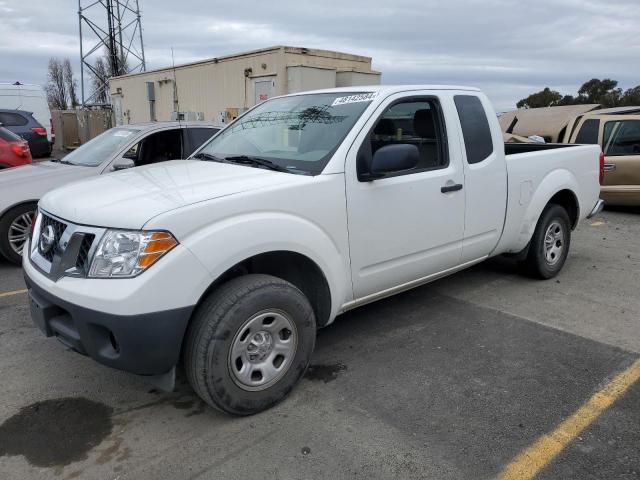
(130, 198)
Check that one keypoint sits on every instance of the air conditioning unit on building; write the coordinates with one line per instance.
(187, 116)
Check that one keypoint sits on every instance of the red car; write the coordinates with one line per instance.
(14, 151)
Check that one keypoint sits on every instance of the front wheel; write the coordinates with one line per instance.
(15, 227)
(249, 343)
(550, 243)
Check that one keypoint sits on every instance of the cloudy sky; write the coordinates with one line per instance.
(509, 48)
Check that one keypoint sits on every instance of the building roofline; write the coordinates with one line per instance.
(286, 49)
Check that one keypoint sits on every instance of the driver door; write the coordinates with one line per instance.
(404, 228)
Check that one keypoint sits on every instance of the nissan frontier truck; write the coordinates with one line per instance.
(306, 206)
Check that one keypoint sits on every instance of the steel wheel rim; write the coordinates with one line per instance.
(263, 350)
(554, 243)
(19, 231)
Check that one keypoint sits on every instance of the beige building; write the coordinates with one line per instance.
(219, 89)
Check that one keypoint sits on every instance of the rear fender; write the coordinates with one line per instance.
(553, 183)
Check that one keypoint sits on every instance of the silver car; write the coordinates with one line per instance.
(116, 149)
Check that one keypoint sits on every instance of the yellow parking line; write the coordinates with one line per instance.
(15, 292)
(533, 459)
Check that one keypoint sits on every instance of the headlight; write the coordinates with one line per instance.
(123, 254)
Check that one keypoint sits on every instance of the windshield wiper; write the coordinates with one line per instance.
(208, 156)
(260, 162)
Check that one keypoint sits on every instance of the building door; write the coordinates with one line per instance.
(264, 88)
(116, 104)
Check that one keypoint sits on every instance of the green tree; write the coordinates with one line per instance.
(543, 98)
(631, 97)
(604, 92)
(599, 91)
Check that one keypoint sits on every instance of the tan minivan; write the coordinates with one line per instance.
(619, 136)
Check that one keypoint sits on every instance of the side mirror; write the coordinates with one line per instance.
(393, 158)
(122, 164)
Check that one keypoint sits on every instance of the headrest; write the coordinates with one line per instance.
(385, 127)
(423, 125)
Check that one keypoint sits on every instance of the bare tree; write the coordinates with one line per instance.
(70, 83)
(103, 69)
(56, 88)
(99, 79)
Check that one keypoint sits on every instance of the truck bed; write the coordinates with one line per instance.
(513, 148)
(534, 168)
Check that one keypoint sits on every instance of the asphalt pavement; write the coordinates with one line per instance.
(453, 380)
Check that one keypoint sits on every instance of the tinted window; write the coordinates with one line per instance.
(475, 128)
(622, 137)
(197, 136)
(12, 119)
(8, 135)
(414, 122)
(588, 132)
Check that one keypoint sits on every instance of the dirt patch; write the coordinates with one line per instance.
(324, 373)
(56, 432)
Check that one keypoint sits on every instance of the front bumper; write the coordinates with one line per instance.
(144, 344)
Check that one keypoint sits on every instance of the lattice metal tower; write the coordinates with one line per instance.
(112, 29)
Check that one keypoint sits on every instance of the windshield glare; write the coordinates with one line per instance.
(97, 150)
(298, 132)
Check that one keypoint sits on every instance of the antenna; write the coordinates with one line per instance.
(112, 29)
(176, 100)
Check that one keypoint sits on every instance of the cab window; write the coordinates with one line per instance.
(588, 132)
(622, 138)
(415, 122)
(158, 147)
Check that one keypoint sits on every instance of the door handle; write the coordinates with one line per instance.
(451, 188)
(609, 167)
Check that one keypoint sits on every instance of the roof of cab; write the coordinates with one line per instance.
(173, 123)
(389, 89)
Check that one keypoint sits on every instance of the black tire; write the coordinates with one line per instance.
(538, 264)
(7, 219)
(218, 322)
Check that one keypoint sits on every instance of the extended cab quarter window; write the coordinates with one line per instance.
(588, 132)
(622, 138)
(475, 128)
(415, 122)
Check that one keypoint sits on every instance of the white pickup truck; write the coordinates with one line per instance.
(305, 207)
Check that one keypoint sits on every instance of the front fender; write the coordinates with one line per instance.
(225, 243)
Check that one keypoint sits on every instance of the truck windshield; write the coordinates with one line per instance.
(297, 133)
(97, 150)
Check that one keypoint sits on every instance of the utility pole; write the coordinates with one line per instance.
(111, 29)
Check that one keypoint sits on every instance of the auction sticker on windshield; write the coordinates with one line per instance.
(360, 97)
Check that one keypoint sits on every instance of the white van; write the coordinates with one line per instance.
(30, 98)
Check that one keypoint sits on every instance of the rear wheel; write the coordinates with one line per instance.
(550, 243)
(249, 343)
(15, 227)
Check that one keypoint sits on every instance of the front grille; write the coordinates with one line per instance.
(82, 262)
(58, 230)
